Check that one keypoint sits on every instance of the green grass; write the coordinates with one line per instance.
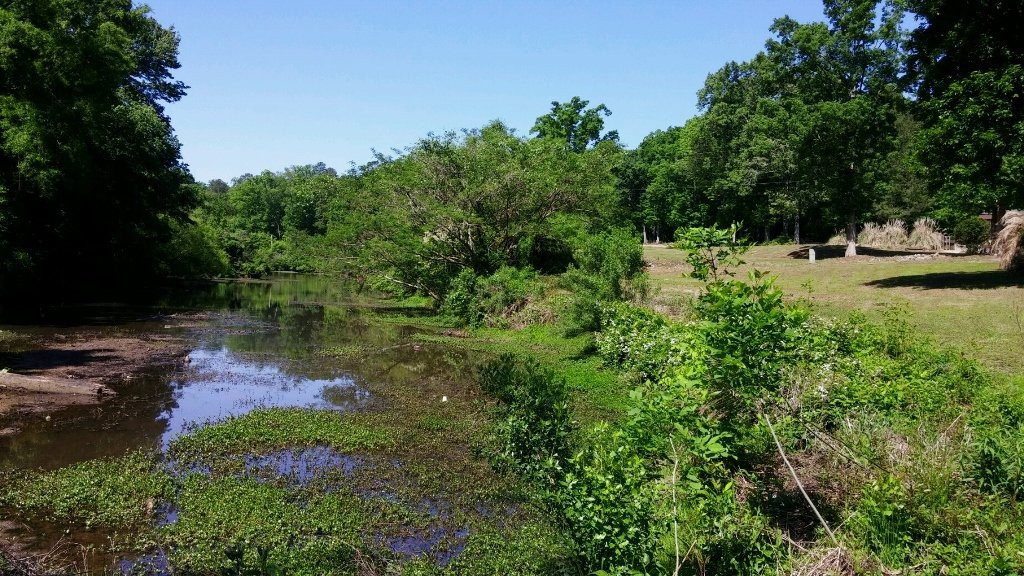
(599, 393)
(964, 302)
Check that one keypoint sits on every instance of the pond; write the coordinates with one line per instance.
(248, 349)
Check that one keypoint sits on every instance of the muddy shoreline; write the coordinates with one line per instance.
(79, 366)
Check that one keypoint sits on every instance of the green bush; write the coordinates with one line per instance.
(534, 423)
(461, 302)
(971, 231)
(608, 505)
(506, 292)
(638, 340)
(608, 267)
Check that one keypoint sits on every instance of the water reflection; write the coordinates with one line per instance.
(220, 384)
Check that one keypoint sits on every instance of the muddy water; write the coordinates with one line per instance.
(250, 345)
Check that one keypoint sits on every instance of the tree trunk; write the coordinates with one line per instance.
(796, 227)
(767, 234)
(851, 235)
(657, 234)
(645, 233)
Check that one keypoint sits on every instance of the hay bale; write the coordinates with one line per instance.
(1007, 244)
(925, 235)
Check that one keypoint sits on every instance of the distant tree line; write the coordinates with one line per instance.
(831, 125)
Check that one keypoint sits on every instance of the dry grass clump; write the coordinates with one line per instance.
(826, 562)
(925, 235)
(1007, 243)
(891, 236)
(837, 239)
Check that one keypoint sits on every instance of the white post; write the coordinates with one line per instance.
(811, 256)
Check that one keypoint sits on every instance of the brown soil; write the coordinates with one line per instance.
(76, 368)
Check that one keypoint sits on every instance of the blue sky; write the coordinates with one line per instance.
(275, 84)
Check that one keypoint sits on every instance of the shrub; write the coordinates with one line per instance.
(638, 340)
(971, 231)
(608, 267)
(506, 292)
(608, 507)
(461, 302)
(534, 423)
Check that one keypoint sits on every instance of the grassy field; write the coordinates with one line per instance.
(960, 301)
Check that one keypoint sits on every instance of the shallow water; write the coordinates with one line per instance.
(251, 345)
(255, 345)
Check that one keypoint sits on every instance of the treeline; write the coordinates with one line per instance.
(843, 122)
(834, 124)
(446, 211)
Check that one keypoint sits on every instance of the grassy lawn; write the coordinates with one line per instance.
(960, 301)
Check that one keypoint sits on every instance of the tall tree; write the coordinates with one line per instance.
(815, 113)
(575, 124)
(90, 171)
(968, 64)
(848, 73)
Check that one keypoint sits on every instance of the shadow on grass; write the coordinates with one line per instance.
(983, 280)
(825, 252)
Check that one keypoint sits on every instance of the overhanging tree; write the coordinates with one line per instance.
(90, 171)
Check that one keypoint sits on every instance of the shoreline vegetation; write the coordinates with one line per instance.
(649, 434)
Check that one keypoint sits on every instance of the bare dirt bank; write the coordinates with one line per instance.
(76, 367)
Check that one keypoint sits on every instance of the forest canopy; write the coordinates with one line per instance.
(91, 177)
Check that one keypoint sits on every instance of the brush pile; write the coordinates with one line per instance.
(1007, 244)
(925, 235)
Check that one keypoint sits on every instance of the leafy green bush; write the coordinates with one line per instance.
(637, 339)
(534, 425)
(711, 252)
(971, 231)
(506, 292)
(608, 267)
(607, 502)
(461, 302)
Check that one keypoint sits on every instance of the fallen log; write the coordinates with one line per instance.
(19, 383)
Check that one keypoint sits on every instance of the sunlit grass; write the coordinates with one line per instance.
(961, 301)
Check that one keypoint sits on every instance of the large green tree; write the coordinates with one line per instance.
(90, 172)
(812, 120)
(968, 62)
(574, 124)
(478, 202)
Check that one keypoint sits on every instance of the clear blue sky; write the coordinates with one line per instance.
(275, 84)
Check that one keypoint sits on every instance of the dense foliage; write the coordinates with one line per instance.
(900, 445)
(91, 179)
